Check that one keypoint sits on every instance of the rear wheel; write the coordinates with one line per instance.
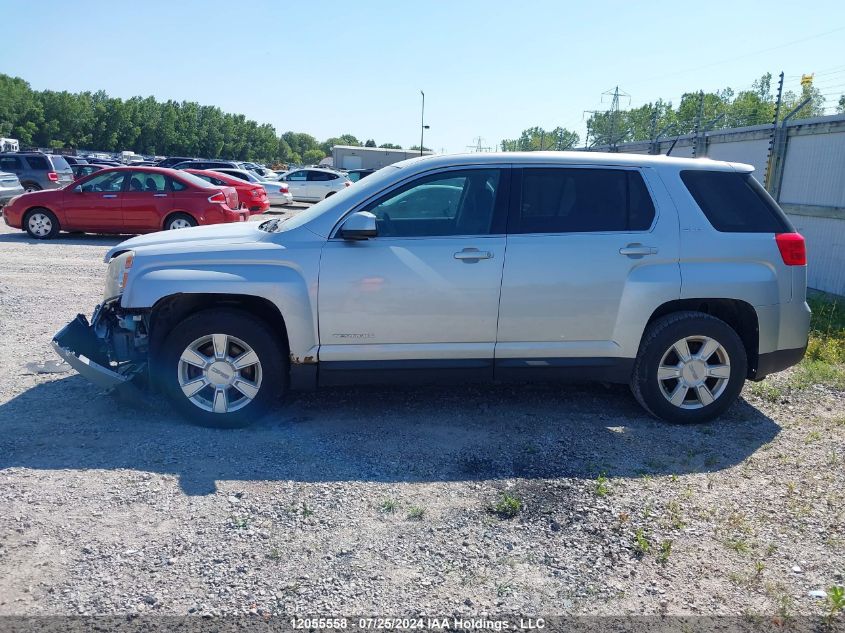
(690, 368)
(222, 368)
(41, 224)
(29, 187)
(179, 221)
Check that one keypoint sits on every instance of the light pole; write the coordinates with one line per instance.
(423, 126)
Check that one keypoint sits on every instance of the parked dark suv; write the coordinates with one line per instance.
(37, 171)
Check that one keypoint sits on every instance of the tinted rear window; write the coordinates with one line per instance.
(566, 200)
(38, 162)
(735, 202)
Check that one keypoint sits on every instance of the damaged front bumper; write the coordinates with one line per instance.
(110, 351)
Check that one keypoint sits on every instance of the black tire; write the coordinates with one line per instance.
(29, 187)
(44, 224)
(659, 339)
(182, 217)
(330, 193)
(237, 324)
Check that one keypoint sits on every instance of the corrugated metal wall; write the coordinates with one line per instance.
(812, 189)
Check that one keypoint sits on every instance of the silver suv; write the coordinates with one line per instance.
(680, 277)
(37, 171)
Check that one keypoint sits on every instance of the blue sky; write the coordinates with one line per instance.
(489, 68)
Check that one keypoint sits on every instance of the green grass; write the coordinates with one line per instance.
(416, 513)
(824, 362)
(602, 487)
(388, 506)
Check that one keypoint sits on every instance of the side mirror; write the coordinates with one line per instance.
(359, 226)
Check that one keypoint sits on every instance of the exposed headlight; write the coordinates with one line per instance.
(118, 274)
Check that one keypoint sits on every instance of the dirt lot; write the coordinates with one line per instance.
(384, 501)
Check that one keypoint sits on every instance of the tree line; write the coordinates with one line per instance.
(93, 120)
(661, 119)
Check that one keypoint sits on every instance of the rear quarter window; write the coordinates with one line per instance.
(59, 163)
(735, 202)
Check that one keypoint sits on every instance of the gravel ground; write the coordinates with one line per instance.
(378, 501)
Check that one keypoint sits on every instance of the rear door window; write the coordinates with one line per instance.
(38, 163)
(581, 200)
(10, 163)
(147, 182)
(735, 202)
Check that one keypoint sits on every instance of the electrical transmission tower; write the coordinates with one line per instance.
(612, 114)
(479, 145)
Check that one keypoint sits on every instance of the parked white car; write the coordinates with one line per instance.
(312, 185)
(277, 192)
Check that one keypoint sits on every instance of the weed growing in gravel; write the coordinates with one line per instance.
(240, 523)
(602, 488)
(676, 519)
(306, 511)
(416, 513)
(388, 506)
(504, 589)
(641, 543)
(507, 507)
(275, 554)
(739, 545)
(664, 552)
(812, 436)
(765, 390)
(835, 601)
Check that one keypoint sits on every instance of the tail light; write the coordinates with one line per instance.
(53, 176)
(792, 248)
(284, 189)
(218, 198)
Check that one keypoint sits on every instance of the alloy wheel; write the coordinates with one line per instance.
(694, 372)
(219, 373)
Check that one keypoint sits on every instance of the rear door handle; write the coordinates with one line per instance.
(637, 250)
(110, 195)
(473, 254)
(160, 195)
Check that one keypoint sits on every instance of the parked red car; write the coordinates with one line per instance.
(252, 196)
(125, 200)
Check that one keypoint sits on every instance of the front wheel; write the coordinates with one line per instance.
(41, 224)
(690, 368)
(222, 368)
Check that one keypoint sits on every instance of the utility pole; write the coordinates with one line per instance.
(698, 120)
(423, 126)
(767, 179)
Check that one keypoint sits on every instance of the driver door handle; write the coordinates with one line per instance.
(473, 254)
(110, 195)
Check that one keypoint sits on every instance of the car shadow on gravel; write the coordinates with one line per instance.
(377, 434)
(66, 239)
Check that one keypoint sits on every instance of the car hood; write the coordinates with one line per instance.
(186, 239)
